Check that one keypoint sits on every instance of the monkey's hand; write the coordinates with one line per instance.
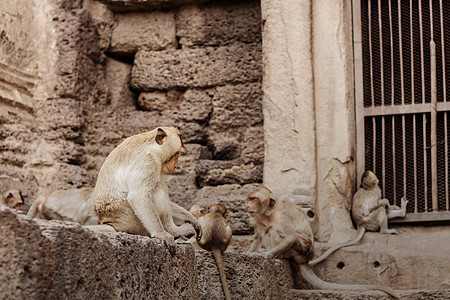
(198, 229)
(168, 240)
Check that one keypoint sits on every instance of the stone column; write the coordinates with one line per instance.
(335, 121)
(309, 108)
(288, 102)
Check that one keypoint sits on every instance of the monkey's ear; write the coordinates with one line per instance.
(272, 202)
(160, 136)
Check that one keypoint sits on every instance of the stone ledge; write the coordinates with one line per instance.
(368, 295)
(62, 260)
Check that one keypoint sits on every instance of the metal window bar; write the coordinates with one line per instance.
(400, 78)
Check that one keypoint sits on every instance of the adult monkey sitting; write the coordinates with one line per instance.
(130, 194)
(283, 231)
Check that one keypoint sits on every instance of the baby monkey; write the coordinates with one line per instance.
(370, 213)
(216, 237)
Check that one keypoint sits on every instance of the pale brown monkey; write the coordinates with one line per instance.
(216, 238)
(13, 199)
(197, 211)
(369, 213)
(283, 231)
(73, 205)
(131, 195)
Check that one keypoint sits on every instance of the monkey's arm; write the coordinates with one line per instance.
(181, 216)
(256, 244)
(32, 212)
(283, 246)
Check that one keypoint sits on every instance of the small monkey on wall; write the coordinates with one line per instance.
(369, 212)
(216, 238)
(283, 231)
(131, 195)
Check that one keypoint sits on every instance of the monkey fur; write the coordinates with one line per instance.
(369, 213)
(283, 231)
(73, 205)
(217, 237)
(131, 194)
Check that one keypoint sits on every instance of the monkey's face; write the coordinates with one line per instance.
(253, 204)
(259, 200)
(170, 165)
(169, 139)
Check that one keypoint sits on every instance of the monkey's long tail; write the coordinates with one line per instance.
(359, 235)
(218, 257)
(317, 283)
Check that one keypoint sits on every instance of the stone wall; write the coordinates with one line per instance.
(102, 71)
(62, 260)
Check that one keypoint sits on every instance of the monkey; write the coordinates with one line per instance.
(13, 199)
(369, 213)
(130, 194)
(283, 231)
(217, 236)
(73, 205)
(197, 210)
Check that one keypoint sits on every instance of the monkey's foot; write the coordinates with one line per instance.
(403, 205)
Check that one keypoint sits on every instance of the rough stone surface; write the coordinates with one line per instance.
(234, 197)
(117, 77)
(204, 67)
(219, 24)
(241, 171)
(334, 110)
(41, 259)
(139, 5)
(160, 100)
(143, 30)
(249, 276)
(289, 113)
(416, 259)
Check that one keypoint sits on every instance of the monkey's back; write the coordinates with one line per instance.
(364, 201)
(117, 172)
(214, 230)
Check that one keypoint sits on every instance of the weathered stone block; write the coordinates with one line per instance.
(117, 80)
(236, 123)
(196, 105)
(219, 24)
(140, 5)
(160, 100)
(237, 105)
(241, 171)
(61, 260)
(147, 30)
(234, 197)
(196, 67)
(249, 276)
(103, 19)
